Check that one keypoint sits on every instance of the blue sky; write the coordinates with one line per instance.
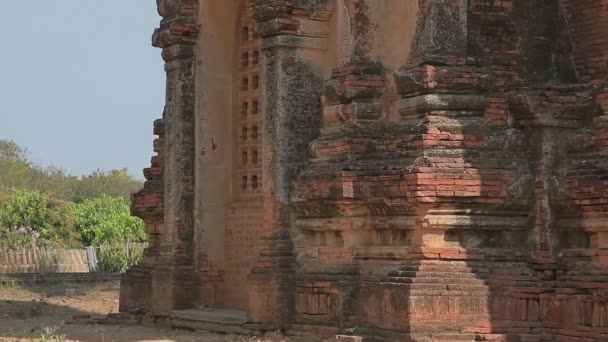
(80, 84)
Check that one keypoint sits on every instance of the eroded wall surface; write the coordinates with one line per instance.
(425, 170)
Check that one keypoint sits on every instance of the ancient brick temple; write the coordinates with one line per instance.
(422, 170)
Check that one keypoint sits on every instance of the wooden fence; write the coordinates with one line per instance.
(42, 260)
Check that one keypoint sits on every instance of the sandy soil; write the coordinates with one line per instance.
(27, 312)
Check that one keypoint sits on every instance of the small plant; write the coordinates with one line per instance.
(51, 334)
(118, 257)
(20, 238)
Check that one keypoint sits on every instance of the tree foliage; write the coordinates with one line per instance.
(30, 215)
(111, 183)
(19, 172)
(27, 209)
(106, 220)
(10, 151)
(50, 206)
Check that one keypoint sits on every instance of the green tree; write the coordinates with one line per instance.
(30, 214)
(27, 209)
(33, 202)
(117, 183)
(106, 220)
(14, 166)
(10, 151)
(19, 172)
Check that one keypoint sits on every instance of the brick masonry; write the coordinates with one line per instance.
(457, 196)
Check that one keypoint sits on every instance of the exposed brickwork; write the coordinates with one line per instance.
(459, 197)
(588, 21)
(148, 202)
(167, 198)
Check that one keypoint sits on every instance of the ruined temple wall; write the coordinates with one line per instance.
(502, 163)
(389, 198)
(417, 189)
(588, 23)
(380, 31)
(582, 174)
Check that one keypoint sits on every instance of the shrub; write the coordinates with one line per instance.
(118, 257)
(17, 239)
(49, 334)
(106, 220)
(27, 208)
(28, 216)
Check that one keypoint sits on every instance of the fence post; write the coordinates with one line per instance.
(92, 258)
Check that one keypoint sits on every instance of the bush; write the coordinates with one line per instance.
(29, 216)
(118, 257)
(48, 334)
(38, 204)
(17, 239)
(29, 209)
(106, 220)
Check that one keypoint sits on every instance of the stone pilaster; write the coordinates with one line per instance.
(291, 121)
(169, 280)
(177, 38)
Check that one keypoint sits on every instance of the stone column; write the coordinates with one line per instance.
(164, 280)
(175, 284)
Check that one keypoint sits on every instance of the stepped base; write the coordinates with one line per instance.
(221, 316)
(216, 320)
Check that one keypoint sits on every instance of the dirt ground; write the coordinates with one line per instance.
(59, 313)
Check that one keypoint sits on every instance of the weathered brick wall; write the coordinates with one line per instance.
(148, 204)
(576, 310)
(468, 170)
(588, 23)
(457, 198)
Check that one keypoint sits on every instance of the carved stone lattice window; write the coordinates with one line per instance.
(250, 127)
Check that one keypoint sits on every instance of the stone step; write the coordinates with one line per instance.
(221, 316)
(226, 321)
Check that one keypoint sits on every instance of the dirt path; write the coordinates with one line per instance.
(47, 312)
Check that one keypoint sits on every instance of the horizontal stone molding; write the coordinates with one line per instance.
(357, 223)
(417, 106)
(294, 41)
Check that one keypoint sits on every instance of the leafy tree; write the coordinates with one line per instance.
(112, 183)
(10, 151)
(38, 201)
(106, 220)
(27, 209)
(19, 172)
(28, 215)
